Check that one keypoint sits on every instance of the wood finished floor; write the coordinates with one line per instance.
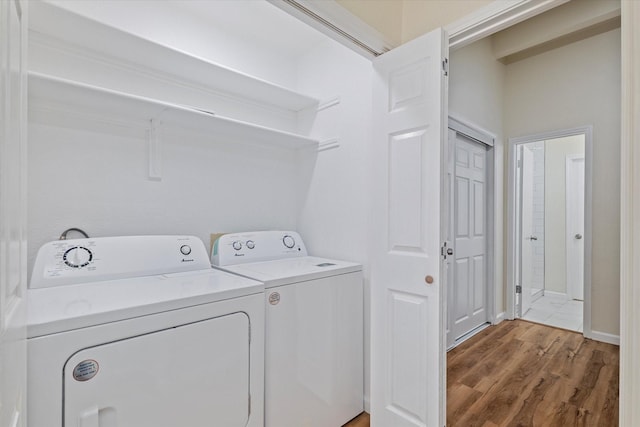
(361, 420)
(525, 374)
(529, 375)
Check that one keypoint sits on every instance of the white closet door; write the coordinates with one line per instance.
(407, 326)
(13, 195)
(468, 292)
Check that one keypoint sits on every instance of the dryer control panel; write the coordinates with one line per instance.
(66, 262)
(240, 248)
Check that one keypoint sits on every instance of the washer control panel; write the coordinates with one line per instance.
(240, 248)
(66, 262)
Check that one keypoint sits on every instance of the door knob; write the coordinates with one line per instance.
(578, 236)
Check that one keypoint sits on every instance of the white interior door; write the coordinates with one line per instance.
(575, 226)
(526, 237)
(467, 296)
(13, 236)
(407, 328)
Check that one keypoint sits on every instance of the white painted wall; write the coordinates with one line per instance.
(476, 92)
(98, 182)
(88, 175)
(577, 85)
(333, 204)
(556, 152)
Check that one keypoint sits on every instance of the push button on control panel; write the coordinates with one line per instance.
(288, 241)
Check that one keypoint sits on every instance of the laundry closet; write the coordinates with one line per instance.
(195, 118)
(149, 118)
(211, 117)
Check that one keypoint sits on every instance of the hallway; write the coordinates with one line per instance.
(524, 374)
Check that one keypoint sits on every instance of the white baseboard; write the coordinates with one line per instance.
(604, 337)
(546, 292)
(500, 317)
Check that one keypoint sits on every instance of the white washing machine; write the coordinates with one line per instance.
(142, 332)
(314, 327)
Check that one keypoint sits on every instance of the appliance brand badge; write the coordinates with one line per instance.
(85, 370)
(274, 298)
(187, 260)
(238, 254)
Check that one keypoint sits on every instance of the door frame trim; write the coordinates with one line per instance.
(487, 139)
(587, 131)
(494, 17)
(630, 217)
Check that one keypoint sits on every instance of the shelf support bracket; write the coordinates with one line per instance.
(154, 143)
(328, 144)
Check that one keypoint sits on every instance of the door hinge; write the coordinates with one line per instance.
(445, 66)
(518, 289)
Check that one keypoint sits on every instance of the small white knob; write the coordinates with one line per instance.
(250, 244)
(185, 249)
(237, 245)
(288, 241)
(77, 257)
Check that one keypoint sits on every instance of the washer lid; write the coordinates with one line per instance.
(64, 308)
(293, 270)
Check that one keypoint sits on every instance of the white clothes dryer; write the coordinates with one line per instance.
(314, 327)
(142, 332)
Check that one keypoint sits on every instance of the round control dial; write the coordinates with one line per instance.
(288, 241)
(185, 249)
(237, 245)
(77, 257)
(250, 244)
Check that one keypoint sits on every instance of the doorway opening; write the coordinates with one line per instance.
(550, 233)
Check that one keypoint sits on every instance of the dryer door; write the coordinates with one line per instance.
(192, 375)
